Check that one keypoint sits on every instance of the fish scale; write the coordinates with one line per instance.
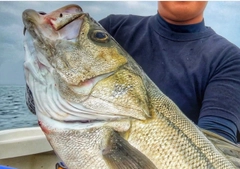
(108, 114)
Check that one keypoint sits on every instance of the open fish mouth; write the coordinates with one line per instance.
(76, 72)
(42, 31)
(55, 25)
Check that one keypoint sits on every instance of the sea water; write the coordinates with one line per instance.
(13, 109)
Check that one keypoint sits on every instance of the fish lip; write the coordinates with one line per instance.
(25, 29)
(35, 21)
(29, 20)
(57, 25)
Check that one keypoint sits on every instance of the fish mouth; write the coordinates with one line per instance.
(75, 71)
(54, 25)
(42, 30)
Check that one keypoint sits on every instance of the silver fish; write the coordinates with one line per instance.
(97, 107)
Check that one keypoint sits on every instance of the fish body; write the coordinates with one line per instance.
(97, 107)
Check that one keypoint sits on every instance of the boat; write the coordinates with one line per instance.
(26, 148)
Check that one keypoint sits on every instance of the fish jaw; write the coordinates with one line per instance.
(42, 30)
(61, 37)
(51, 25)
(61, 73)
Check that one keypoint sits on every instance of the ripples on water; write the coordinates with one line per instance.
(13, 110)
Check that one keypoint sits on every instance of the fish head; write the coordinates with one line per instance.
(76, 72)
(80, 83)
(64, 38)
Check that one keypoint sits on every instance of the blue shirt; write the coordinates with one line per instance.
(195, 67)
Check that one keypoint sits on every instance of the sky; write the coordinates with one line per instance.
(222, 16)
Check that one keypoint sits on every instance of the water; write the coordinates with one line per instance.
(13, 110)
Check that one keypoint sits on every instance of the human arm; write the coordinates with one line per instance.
(220, 112)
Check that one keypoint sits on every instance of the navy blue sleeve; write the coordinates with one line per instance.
(106, 23)
(218, 125)
(220, 111)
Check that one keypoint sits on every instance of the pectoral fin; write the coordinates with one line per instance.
(119, 154)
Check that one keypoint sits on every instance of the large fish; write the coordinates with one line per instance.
(97, 107)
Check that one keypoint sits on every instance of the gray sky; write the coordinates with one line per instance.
(222, 16)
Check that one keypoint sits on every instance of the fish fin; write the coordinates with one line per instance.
(60, 165)
(30, 100)
(226, 147)
(119, 154)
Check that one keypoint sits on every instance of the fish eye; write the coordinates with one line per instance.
(100, 36)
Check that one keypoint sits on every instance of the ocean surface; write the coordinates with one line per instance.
(13, 110)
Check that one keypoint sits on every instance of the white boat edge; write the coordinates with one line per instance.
(22, 141)
(26, 148)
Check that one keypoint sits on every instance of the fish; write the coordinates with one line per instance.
(99, 109)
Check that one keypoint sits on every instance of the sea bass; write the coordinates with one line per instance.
(97, 107)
